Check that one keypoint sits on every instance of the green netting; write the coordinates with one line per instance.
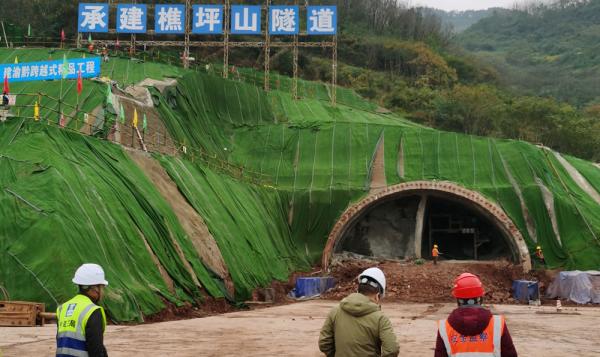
(306, 89)
(311, 150)
(67, 199)
(70, 199)
(249, 224)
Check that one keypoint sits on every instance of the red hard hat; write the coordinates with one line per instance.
(467, 286)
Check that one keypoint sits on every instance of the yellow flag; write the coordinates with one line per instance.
(135, 118)
(16, 60)
(36, 112)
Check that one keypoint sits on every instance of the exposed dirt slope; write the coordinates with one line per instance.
(192, 222)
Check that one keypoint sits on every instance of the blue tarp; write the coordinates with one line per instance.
(310, 287)
(525, 290)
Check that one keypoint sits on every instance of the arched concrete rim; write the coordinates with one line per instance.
(484, 205)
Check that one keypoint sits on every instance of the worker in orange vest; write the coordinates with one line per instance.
(471, 329)
(540, 255)
(435, 254)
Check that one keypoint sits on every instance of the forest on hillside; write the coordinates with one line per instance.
(544, 49)
(462, 20)
(408, 61)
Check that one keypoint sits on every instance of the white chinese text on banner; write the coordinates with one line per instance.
(92, 18)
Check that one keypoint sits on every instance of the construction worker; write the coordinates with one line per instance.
(435, 254)
(472, 330)
(105, 57)
(357, 327)
(5, 99)
(540, 255)
(81, 323)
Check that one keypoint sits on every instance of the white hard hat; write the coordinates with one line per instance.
(89, 274)
(373, 274)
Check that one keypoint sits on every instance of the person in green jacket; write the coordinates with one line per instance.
(357, 327)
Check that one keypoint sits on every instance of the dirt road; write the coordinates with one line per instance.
(293, 330)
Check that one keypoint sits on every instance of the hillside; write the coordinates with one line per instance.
(459, 21)
(546, 50)
(268, 177)
(400, 58)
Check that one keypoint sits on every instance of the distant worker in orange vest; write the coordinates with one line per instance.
(435, 252)
(471, 329)
(540, 255)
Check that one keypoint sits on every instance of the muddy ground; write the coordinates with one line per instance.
(293, 330)
(407, 281)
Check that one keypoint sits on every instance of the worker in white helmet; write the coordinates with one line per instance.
(357, 327)
(81, 323)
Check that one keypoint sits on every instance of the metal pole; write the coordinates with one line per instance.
(267, 48)
(186, 50)
(226, 18)
(4, 32)
(295, 79)
(334, 70)
(132, 48)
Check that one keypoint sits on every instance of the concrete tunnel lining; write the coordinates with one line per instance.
(443, 189)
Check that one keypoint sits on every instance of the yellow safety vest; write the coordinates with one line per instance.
(72, 318)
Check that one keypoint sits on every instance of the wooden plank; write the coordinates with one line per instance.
(21, 313)
(17, 319)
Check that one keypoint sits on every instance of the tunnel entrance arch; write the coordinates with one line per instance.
(437, 189)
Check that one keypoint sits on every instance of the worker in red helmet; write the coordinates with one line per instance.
(471, 329)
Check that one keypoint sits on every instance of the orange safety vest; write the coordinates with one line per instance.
(434, 252)
(539, 254)
(485, 344)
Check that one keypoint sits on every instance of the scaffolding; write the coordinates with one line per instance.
(266, 44)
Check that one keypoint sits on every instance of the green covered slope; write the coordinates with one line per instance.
(67, 198)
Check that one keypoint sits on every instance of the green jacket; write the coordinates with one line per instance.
(357, 327)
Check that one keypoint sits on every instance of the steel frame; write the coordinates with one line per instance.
(266, 44)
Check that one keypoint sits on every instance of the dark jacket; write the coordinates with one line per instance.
(471, 321)
(357, 327)
(94, 336)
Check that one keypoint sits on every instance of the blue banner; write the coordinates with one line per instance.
(207, 19)
(245, 20)
(284, 20)
(50, 70)
(169, 19)
(131, 18)
(322, 20)
(93, 18)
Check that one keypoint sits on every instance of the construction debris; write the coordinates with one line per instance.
(21, 313)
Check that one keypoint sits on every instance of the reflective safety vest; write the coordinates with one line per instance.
(72, 318)
(485, 344)
(434, 252)
(539, 254)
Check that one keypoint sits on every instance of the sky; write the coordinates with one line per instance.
(449, 5)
